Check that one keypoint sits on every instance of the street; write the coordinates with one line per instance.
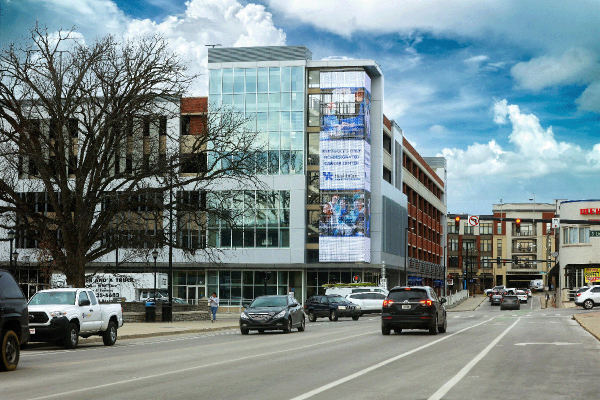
(529, 354)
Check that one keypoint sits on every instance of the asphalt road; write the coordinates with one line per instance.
(485, 354)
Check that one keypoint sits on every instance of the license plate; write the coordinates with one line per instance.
(342, 307)
(406, 306)
(32, 331)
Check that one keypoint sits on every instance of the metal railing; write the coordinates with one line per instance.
(455, 299)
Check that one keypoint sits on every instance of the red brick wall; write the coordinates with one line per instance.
(416, 155)
(194, 105)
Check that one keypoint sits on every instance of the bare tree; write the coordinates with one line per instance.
(91, 151)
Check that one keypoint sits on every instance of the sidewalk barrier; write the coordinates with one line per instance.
(455, 299)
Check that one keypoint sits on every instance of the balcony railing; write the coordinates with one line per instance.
(523, 265)
(524, 249)
(525, 232)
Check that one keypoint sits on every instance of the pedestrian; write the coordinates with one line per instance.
(213, 302)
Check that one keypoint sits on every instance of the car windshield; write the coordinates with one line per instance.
(269, 302)
(63, 298)
(337, 299)
(408, 294)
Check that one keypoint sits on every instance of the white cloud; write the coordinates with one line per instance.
(437, 130)
(544, 24)
(576, 65)
(205, 22)
(590, 98)
(476, 59)
(536, 152)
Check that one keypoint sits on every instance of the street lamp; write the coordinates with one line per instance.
(406, 255)
(11, 236)
(155, 256)
(534, 230)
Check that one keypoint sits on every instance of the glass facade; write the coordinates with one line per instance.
(262, 219)
(273, 99)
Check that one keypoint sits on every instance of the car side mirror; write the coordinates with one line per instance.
(83, 303)
(443, 300)
(246, 305)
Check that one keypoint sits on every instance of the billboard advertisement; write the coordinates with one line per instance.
(345, 167)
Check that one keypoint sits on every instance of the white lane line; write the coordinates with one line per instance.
(142, 378)
(379, 365)
(461, 374)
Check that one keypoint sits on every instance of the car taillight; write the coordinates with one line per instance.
(578, 294)
(426, 303)
(388, 303)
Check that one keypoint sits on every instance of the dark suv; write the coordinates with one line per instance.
(413, 307)
(14, 321)
(332, 306)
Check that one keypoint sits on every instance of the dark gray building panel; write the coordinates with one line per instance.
(255, 54)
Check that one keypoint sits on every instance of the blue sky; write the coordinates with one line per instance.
(508, 91)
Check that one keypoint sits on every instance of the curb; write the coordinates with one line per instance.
(584, 326)
(96, 339)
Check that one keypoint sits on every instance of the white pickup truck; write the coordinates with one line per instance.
(62, 315)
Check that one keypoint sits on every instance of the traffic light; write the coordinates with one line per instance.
(518, 225)
(457, 222)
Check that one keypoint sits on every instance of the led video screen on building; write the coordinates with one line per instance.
(345, 167)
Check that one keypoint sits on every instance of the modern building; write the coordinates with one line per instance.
(334, 173)
(579, 245)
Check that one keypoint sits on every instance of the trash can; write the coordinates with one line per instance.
(150, 311)
(167, 312)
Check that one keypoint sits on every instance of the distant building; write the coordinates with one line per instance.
(579, 245)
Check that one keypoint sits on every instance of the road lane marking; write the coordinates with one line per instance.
(461, 374)
(162, 374)
(555, 343)
(379, 365)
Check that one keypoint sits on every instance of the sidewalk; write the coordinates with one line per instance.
(469, 304)
(590, 322)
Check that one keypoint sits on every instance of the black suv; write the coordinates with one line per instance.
(413, 307)
(14, 321)
(332, 306)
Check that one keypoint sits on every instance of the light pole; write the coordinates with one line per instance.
(406, 255)
(155, 256)
(11, 236)
(534, 228)
(15, 255)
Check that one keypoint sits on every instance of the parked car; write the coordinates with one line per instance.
(332, 306)
(414, 307)
(496, 299)
(14, 321)
(510, 302)
(522, 295)
(369, 302)
(267, 313)
(62, 315)
(589, 298)
(346, 290)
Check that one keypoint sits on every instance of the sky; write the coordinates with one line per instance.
(508, 91)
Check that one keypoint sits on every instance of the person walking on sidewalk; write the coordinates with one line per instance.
(213, 302)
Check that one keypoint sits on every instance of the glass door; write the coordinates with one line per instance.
(195, 294)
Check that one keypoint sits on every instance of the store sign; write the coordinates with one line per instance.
(589, 211)
(591, 275)
(594, 233)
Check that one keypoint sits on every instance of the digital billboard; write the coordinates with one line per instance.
(345, 167)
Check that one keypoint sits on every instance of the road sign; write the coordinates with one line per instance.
(555, 223)
(473, 220)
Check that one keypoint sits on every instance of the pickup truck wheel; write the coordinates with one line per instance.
(72, 338)
(10, 351)
(109, 337)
